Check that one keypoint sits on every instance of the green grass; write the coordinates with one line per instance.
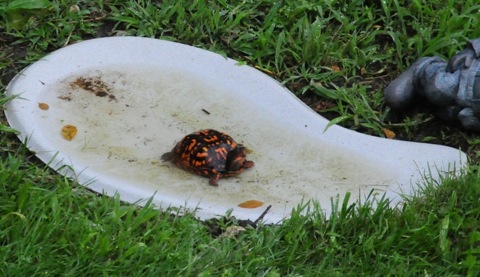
(341, 52)
(50, 226)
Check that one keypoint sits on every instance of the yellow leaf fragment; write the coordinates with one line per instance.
(251, 204)
(335, 68)
(388, 133)
(232, 231)
(43, 106)
(69, 132)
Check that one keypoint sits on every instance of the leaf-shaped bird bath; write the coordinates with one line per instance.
(131, 99)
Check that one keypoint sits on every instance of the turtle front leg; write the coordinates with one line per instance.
(248, 164)
(214, 179)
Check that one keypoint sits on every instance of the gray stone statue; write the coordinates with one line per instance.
(453, 86)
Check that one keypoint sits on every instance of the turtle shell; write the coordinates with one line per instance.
(209, 153)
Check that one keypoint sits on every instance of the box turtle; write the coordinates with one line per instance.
(211, 154)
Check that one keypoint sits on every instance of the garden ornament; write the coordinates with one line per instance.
(453, 87)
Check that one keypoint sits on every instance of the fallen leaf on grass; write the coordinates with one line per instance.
(69, 132)
(269, 72)
(251, 204)
(335, 68)
(232, 231)
(43, 106)
(388, 133)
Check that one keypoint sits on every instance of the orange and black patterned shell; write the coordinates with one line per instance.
(204, 152)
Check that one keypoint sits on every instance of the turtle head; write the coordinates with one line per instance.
(236, 159)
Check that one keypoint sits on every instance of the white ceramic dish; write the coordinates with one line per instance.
(132, 98)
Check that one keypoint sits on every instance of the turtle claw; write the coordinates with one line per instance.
(214, 180)
(248, 164)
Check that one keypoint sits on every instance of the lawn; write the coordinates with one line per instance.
(337, 56)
